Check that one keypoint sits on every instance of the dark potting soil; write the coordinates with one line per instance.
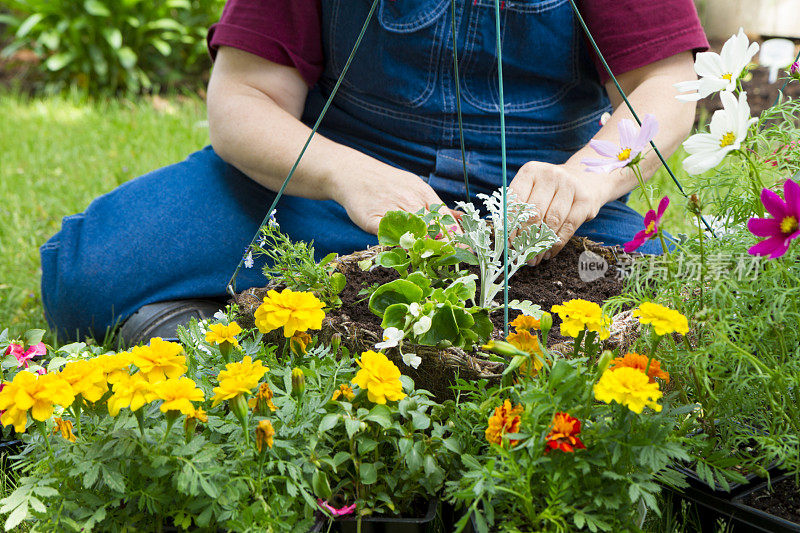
(549, 283)
(782, 501)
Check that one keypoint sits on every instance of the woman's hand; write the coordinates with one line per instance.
(565, 196)
(371, 190)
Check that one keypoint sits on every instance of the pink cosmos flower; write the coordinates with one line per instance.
(782, 229)
(651, 220)
(334, 511)
(631, 144)
(22, 355)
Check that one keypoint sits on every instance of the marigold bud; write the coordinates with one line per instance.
(336, 340)
(605, 360)
(264, 434)
(546, 322)
(298, 382)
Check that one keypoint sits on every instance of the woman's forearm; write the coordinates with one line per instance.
(649, 90)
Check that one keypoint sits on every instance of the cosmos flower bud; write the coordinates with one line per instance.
(794, 70)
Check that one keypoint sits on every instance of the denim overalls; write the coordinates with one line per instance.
(179, 232)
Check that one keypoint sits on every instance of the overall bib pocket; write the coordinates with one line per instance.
(397, 60)
(530, 30)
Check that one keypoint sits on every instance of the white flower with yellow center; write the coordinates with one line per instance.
(727, 131)
(719, 72)
(391, 338)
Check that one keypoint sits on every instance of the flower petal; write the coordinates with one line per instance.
(773, 203)
(647, 132)
(662, 206)
(773, 247)
(791, 194)
(764, 227)
(627, 133)
(605, 148)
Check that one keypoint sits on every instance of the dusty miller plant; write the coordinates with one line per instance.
(527, 240)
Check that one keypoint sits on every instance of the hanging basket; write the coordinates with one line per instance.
(440, 366)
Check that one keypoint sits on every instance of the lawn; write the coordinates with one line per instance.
(58, 153)
(61, 152)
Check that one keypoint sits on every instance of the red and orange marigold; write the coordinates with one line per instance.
(564, 433)
(639, 362)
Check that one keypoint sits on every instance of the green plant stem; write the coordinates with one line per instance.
(76, 411)
(43, 430)
(577, 345)
(140, 419)
(755, 181)
(700, 239)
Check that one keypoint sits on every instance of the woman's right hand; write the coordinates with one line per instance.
(372, 189)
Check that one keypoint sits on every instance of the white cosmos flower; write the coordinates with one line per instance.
(719, 72)
(412, 360)
(727, 131)
(422, 325)
(391, 338)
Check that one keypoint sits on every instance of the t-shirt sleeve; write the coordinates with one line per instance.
(635, 33)
(288, 33)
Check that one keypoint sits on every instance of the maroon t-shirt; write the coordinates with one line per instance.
(630, 33)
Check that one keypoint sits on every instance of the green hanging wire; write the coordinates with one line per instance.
(630, 107)
(231, 288)
(458, 98)
(503, 165)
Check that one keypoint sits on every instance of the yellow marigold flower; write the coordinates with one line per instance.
(524, 323)
(663, 319)
(238, 378)
(379, 377)
(15, 417)
(131, 391)
(219, 333)
(86, 378)
(264, 434)
(293, 311)
(160, 360)
(178, 395)
(504, 420)
(34, 392)
(579, 314)
(628, 387)
(114, 366)
(65, 427)
(639, 362)
(262, 400)
(299, 341)
(343, 390)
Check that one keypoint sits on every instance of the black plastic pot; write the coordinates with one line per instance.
(379, 524)
(712, 507)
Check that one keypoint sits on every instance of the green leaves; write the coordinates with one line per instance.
(394, 292)
(395, 224)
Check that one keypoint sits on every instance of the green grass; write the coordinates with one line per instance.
(58, 153)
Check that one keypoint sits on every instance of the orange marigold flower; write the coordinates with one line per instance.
(504, 420)
(344, 390)
(525, 323)
(264, 434)
(65, 428)
(527, 342)
(262, 400)
(564, 433)
(639, 362)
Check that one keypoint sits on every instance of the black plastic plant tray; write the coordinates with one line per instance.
(740, 518)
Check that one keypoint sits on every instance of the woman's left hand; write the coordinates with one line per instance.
(565, 197)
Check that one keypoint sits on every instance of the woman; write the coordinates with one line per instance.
(390, 140)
